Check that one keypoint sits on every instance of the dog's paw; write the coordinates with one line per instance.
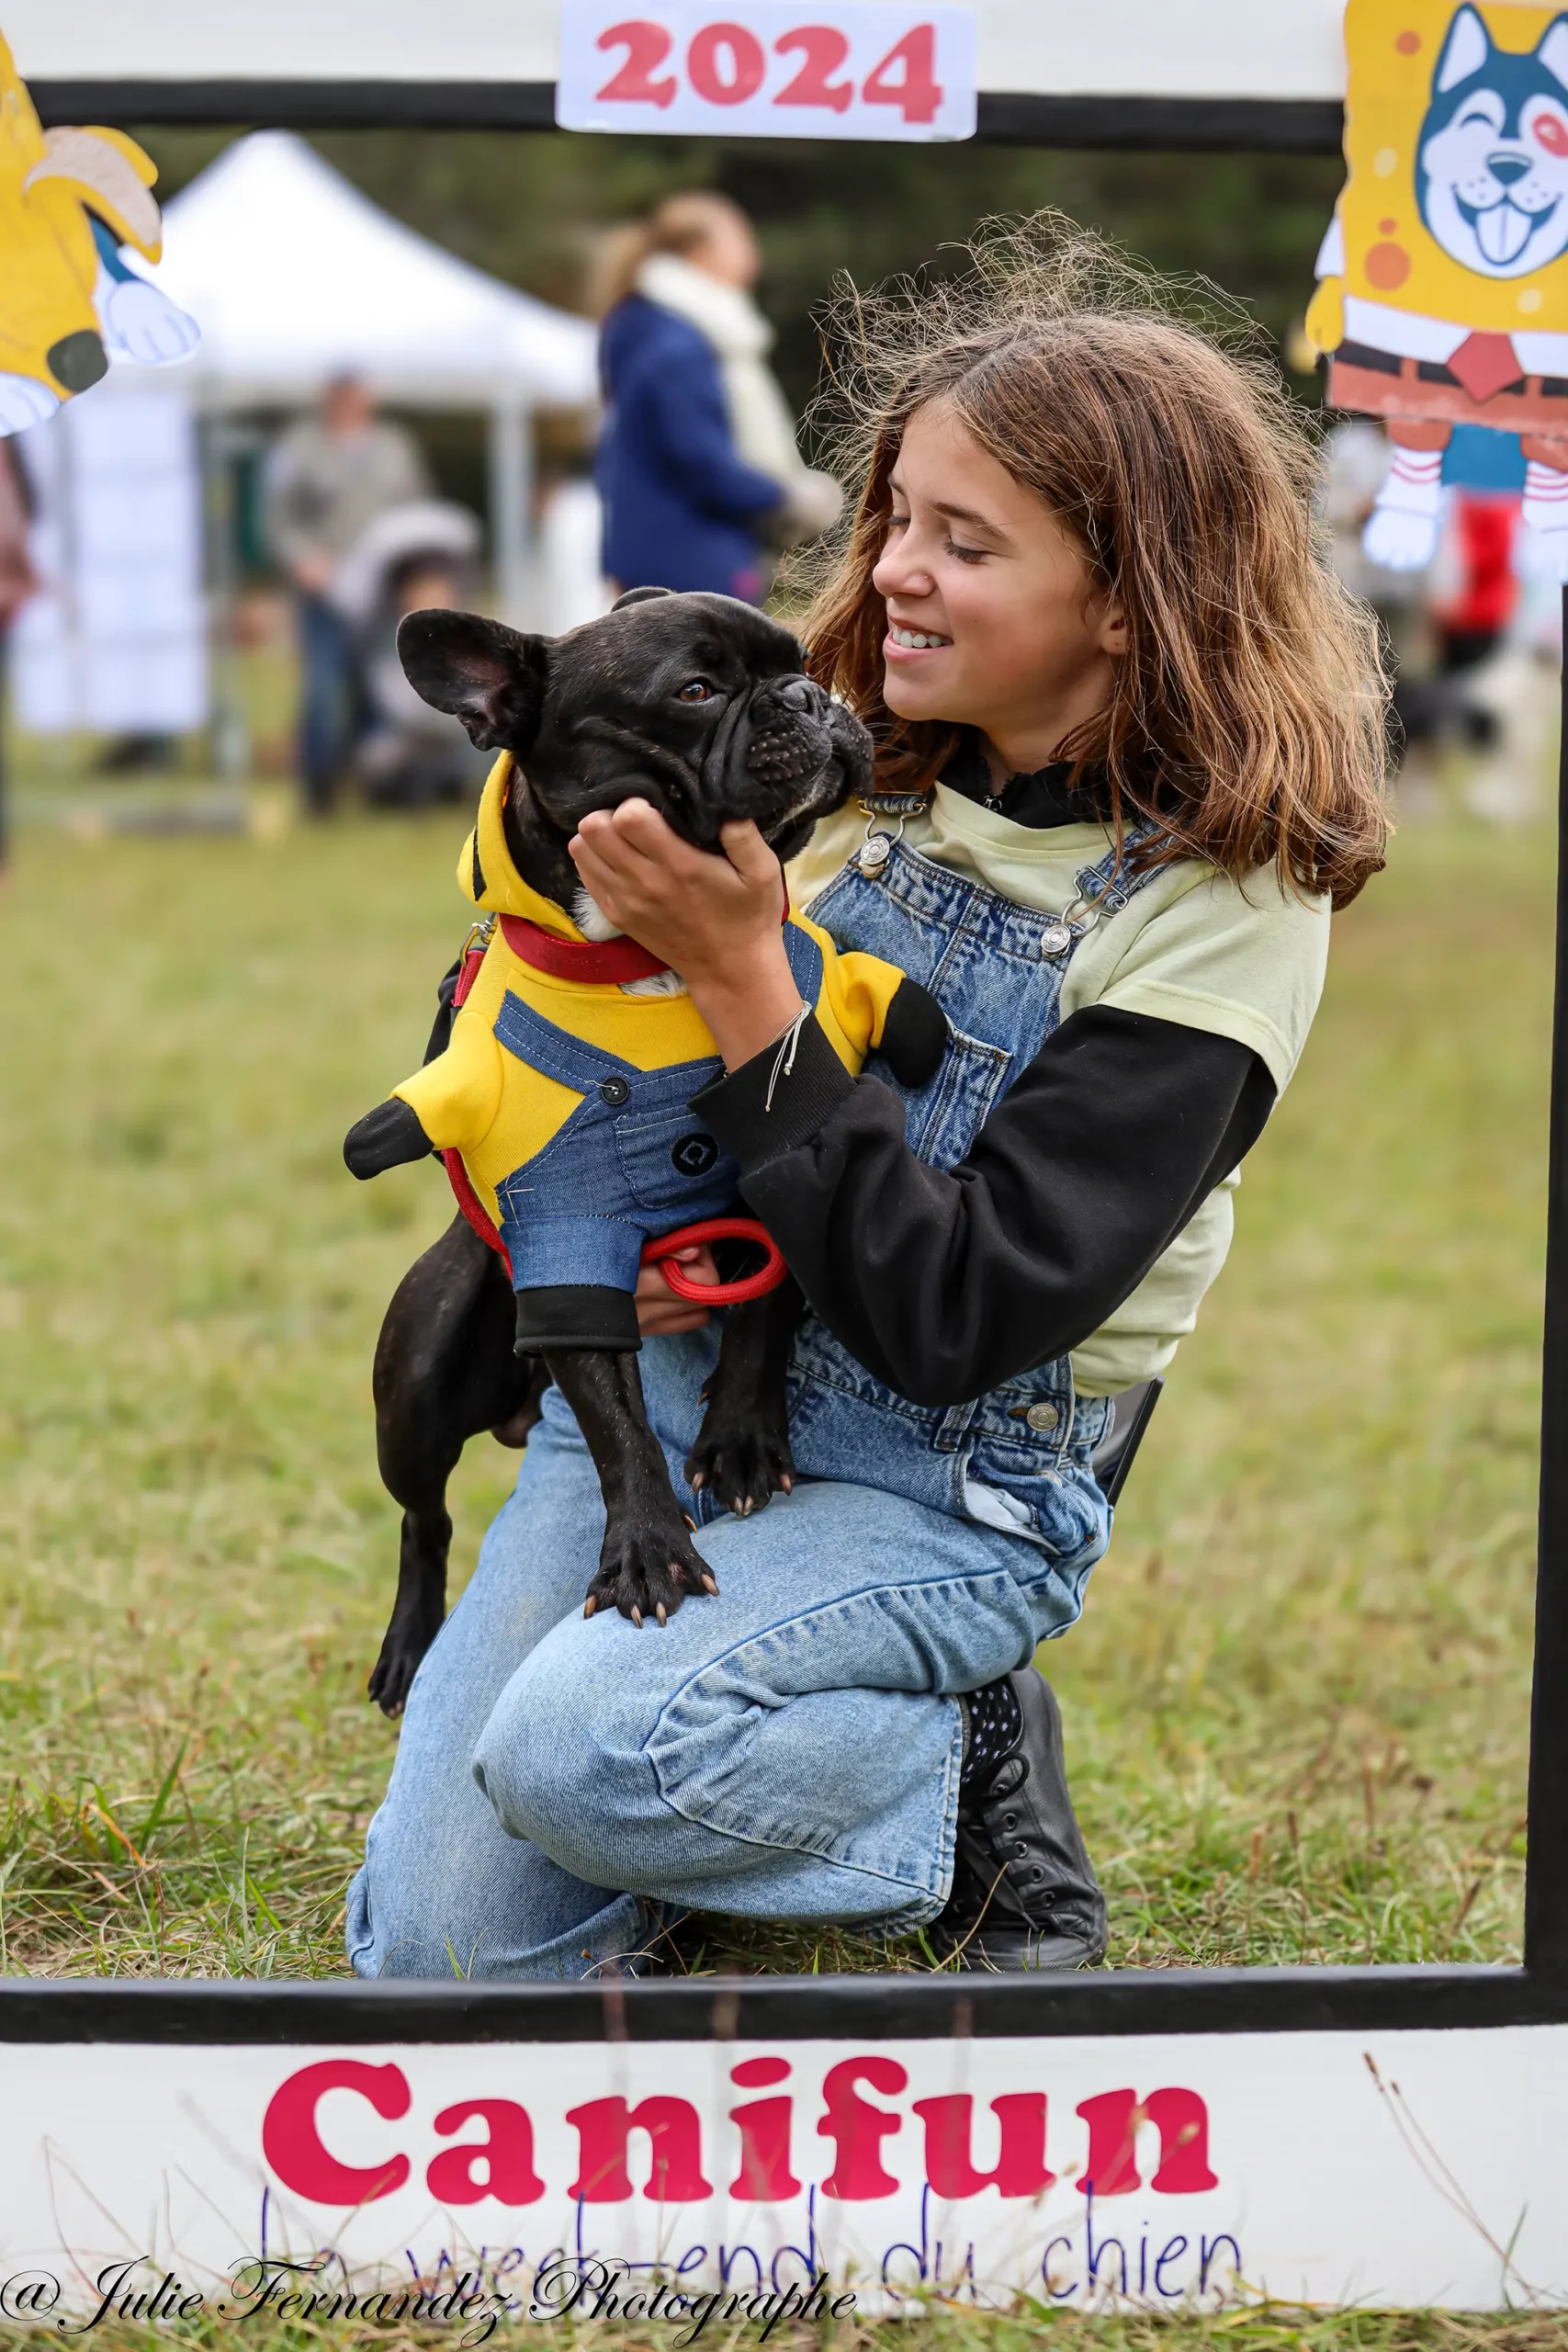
(391, 1678)
(646, 1573)
(741, 1464)
(388, 1137)
(914, 1034)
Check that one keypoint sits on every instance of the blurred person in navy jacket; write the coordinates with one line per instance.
(698, 470)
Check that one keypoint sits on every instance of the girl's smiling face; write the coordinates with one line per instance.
(1018, 642)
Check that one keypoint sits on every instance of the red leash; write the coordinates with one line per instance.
(718, 1228)
(615, 960)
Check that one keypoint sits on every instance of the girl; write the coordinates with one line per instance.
(1129, 750)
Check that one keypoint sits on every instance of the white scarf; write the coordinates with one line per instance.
(759, 421)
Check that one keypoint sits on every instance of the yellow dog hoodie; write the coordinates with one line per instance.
(566, 1089)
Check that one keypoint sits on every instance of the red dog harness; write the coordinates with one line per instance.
(613, 962)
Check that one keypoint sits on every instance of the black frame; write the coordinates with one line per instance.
(1290, 126)
(872, 2008)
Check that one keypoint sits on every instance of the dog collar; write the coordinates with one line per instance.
(597, 962)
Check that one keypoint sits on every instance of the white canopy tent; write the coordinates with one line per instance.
(293, 276)
(116, 639)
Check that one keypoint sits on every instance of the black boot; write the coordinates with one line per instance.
(1024, 1893)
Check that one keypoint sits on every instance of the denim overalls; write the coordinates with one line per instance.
(1018, 1457)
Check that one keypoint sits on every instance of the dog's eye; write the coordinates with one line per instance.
(695, 690)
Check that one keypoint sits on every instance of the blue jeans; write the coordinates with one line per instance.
(788, 1750)
(329, 698)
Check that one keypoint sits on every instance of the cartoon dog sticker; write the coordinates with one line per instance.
(1443, 280)
(69, 201)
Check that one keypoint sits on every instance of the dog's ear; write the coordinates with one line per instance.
(638, 596)
(1551, 50)
(1465, 51)
(489, 677)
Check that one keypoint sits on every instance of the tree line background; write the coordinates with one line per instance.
(527, 205)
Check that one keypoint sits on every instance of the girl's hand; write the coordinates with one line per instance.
(703, 914)
(714, 919)
(659, 1311)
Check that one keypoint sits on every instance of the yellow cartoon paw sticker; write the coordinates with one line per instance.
(70, 200)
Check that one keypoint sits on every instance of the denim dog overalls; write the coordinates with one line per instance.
(1018, 1457)
(568, 1100)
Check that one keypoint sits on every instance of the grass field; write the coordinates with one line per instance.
(937, 2331)
(1296, 1706)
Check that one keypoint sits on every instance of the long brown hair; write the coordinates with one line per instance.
(1247, 716)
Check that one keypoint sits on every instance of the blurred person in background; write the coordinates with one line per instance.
(408, 755)
(330, 476)
(698, 470)
(1473, 582)
(1471, 591)
(1448, 625)
(1496, 612)
(1476, 633)
(18, 581)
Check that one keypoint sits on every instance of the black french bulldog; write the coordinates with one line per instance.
(593, 719)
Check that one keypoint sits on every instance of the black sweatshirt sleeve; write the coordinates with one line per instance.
(945, 1284)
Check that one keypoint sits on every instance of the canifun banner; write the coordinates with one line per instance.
(479, 2184)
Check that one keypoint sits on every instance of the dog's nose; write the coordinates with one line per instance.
(1508, 169)
(77, 361)
(799, 695)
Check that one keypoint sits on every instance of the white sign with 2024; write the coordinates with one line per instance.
(768, 69)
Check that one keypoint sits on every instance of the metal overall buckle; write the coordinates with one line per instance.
(1064, 931)
(879, 844)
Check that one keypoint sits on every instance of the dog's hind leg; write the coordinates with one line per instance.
(743, 1452)
(444, 1370)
